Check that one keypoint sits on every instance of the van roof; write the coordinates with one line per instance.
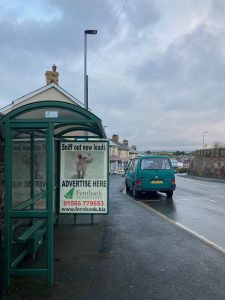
(153, 156)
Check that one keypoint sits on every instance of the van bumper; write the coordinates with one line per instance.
(163, 190)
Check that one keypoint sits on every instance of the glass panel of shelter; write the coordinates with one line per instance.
(28, 169)
(28, 194)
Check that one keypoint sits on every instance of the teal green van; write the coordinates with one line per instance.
(150, 173)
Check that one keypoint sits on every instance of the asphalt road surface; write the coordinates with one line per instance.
(197, 205)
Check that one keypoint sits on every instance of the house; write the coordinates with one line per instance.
(176, 163)
(51, 92)
(120, 154)
(180, 162)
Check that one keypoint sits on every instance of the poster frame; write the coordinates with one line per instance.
(84, 141)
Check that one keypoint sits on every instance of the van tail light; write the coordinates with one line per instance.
(138, 183)
(173, 181)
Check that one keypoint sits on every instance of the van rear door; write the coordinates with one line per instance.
(156, 173)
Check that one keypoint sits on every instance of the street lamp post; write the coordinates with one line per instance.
(89, 31)
(203, 139)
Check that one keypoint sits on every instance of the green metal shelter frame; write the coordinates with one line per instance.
(45, 122)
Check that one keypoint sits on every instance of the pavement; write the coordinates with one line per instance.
(213, 179)
(130, 254)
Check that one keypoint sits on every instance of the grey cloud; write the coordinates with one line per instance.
(217, 10)
(162, 68)
(196, 54)
(190, 68)
(61, 35)
(141, 13)
(28, 45)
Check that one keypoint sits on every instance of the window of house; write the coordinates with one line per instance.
(113, 165)
(113, 151)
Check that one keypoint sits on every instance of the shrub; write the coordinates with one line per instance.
(182, 170)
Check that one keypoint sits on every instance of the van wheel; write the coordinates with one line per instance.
(127, 187)
(169, 194)
(136, 194)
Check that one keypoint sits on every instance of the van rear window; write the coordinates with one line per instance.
(155, 164)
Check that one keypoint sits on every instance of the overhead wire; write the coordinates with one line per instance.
(107, 38)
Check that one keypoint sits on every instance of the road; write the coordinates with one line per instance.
(197, 204)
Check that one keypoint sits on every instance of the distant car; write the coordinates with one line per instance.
(114, 172)
(150, 173)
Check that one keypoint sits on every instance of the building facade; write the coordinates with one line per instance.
(120, 154)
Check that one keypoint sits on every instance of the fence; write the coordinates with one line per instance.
(213, 152)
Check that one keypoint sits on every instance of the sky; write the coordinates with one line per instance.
(156, 67)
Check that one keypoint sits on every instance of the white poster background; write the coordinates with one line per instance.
(84, 177)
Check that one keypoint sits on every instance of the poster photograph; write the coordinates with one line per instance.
(84, 177)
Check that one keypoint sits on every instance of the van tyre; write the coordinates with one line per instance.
(169, 194)
(136, 194)
(127, 187)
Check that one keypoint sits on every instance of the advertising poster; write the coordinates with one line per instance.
(21, 171)
(84, 177)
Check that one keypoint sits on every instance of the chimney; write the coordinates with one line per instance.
(52, 76)
(125, 142)
(115, 138)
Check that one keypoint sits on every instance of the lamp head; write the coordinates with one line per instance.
(90, 31)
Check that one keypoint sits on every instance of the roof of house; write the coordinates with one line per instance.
(122, 146)
(38, 91)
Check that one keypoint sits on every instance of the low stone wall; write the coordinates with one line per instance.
(208, 163)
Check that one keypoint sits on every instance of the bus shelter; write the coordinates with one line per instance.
(32, 134)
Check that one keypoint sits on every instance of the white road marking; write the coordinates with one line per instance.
(209, 185)
(191, 197)
(209, 200)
